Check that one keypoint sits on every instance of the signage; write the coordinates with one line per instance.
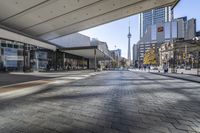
(160, 29)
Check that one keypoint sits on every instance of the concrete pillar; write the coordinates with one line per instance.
(24, 57)
(197, 62)
(95, 60)
(37, 61)
(83, 63)
(64, 61)
(55, 60)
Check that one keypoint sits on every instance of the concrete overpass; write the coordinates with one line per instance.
(50, 19)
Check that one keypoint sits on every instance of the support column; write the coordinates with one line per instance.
(198, 62)
(109, 64)
(82, 63)
(88, 64)
(24, 57)
(64, 61)
(37, 61)
(95, 60)
(56, 61)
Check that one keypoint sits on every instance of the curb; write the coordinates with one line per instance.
(166, 75)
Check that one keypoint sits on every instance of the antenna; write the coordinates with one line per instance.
(129, 24)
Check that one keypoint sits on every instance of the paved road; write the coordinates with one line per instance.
(17, 77)
(112, 102)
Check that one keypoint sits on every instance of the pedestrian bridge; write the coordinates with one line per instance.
(50, 19)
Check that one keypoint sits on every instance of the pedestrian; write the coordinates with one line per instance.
(149, 67)
(165, 68)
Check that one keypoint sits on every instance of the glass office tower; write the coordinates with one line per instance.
(154, 16)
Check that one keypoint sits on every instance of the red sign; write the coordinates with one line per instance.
(160, 29)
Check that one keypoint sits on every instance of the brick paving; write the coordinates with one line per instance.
(112, 102)
(20, 77)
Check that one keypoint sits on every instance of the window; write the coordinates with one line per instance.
(16, 46)
(3, 45)
(21, 46)
(10, 45)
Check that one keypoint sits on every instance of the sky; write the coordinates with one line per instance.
(115, 33)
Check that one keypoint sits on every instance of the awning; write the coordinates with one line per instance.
(88, 52)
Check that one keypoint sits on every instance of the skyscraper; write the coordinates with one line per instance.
(129, 44)
(135, 55)
(154, 16)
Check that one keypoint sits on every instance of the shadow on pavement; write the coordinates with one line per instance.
(121, 106)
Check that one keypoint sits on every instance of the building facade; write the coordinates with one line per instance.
(83, 59)
(24, 53)
(157, 34)
(135, 55)
(116, 55)
(154, 16)
(17, 56)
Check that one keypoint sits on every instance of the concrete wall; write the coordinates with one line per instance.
(73, 40)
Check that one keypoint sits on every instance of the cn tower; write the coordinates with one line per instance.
(129, 43)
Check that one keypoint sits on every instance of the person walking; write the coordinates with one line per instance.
(165, 68)
(149, 68)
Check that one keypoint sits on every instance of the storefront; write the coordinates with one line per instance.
(11, 56)
(16, 56)
(74, 62)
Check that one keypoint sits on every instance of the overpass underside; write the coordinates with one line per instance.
(50, 19)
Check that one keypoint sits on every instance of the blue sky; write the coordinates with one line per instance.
(115, 33)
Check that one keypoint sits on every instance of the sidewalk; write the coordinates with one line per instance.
(186, 77)
(33, 86)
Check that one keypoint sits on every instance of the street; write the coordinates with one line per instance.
(111, 102)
